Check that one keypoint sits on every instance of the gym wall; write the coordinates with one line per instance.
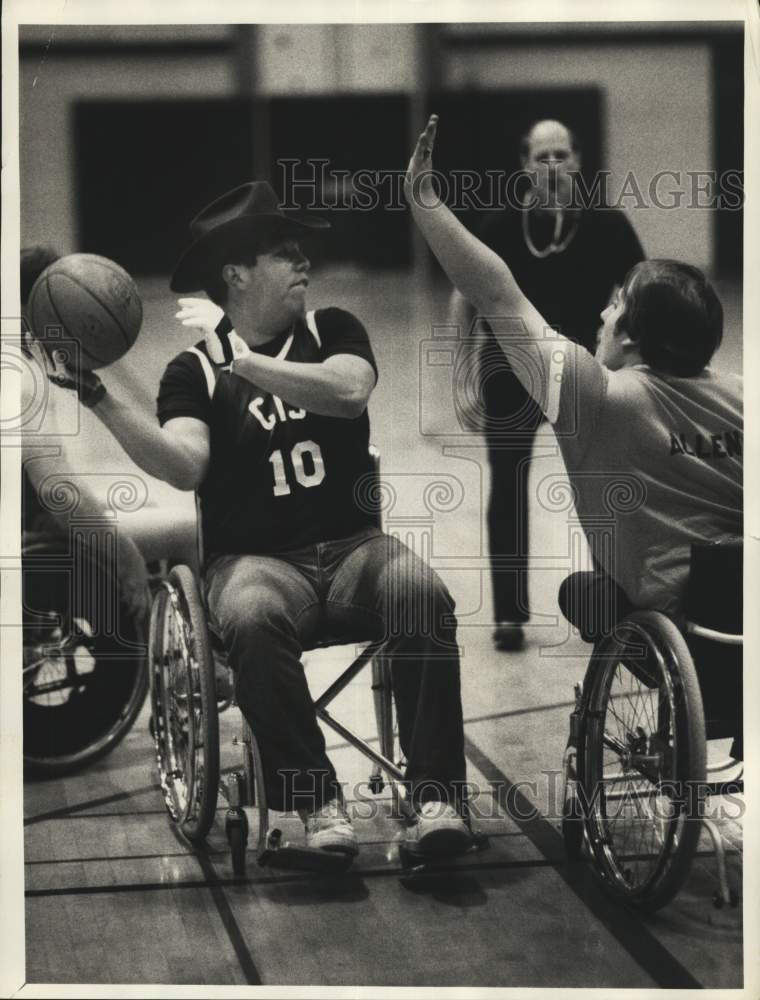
(654, 109)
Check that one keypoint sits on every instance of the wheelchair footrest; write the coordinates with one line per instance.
(276, 854)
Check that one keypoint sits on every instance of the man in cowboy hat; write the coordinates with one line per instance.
(266, 418)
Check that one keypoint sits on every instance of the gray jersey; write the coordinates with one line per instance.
(656, 464)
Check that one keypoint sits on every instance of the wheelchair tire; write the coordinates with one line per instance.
(642, 759)
(183, 702)
(572, 829)
(84, 663)
(236, 827)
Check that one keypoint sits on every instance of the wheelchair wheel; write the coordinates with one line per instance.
(572, 829)
(84, 669)
(183, 701)
(643, 753)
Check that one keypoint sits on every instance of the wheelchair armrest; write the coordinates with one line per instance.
(727, 638)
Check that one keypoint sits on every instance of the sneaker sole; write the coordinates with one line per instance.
(440, 842)
(335, 846)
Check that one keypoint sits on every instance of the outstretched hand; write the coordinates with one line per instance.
(419, 173)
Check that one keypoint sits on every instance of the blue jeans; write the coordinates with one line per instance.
(268, 609)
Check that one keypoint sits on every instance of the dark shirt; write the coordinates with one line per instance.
(570, 289)
(279, 477)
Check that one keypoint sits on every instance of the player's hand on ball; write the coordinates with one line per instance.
(86, 384)
(418, 185)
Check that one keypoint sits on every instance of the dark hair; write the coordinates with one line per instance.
(672, 312)
(34, 260)
(525, 138)
(216, 287)
(241, 250)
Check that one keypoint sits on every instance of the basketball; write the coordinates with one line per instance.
(95, 303)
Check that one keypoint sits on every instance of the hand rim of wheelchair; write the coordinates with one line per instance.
(185, 724)
(68, 637)
(676, 762)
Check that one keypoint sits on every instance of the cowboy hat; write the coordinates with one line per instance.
(250, 210)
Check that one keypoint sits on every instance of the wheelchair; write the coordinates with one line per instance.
(185, 655)
(84, 665)
(635, 776)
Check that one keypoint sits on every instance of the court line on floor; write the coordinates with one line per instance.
(89, 804)
(494, 716)
(93, 859)
(626, 927)
(125, 814)
(302, 878)
(519, 711)
(75, 811)
(189, 853)
(231, 926)
(731, 852)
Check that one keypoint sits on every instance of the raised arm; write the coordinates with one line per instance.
(481, 276)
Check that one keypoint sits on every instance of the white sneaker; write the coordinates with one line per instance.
(329, 829)
(439, 830)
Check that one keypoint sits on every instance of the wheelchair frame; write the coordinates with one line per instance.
(643, 758)
(190, 777)
(195, 775)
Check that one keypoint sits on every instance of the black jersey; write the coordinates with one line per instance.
(279, 477)
(571, 288)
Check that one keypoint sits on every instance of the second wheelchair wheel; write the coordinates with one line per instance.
(84, 670)
(643, 759)
(572, 829)
(183, 702)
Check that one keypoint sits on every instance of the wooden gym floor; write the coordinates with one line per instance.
(114, 896)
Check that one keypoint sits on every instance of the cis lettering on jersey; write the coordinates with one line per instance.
(280, 414)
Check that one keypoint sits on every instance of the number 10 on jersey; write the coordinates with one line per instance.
(307, 463)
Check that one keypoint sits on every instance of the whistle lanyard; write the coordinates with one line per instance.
(554, 246)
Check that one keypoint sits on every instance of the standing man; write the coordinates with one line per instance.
(266, 418)
(567, 259)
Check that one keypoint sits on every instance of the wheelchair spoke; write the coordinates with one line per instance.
(643, 743)
(630, 803)
(185, 719)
